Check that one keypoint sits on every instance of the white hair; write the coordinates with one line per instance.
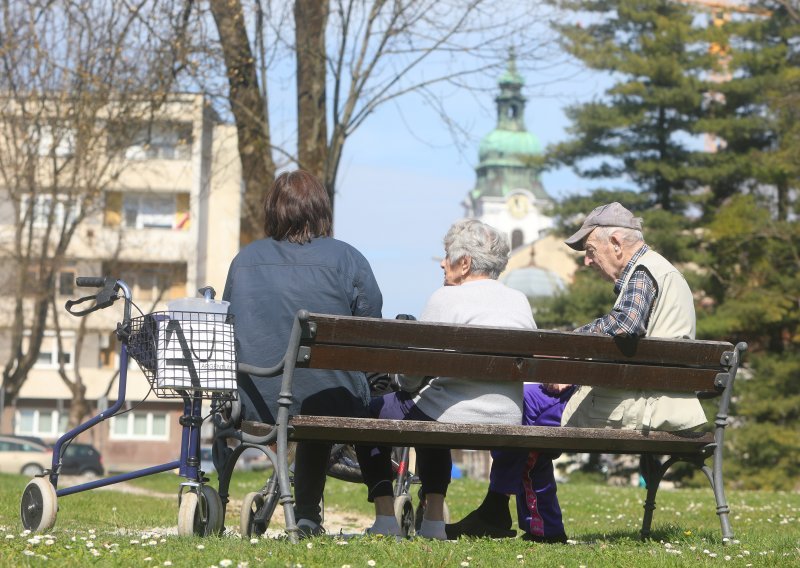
(486, 246)
(624, 234)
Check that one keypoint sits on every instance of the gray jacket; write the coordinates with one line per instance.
(267, 283)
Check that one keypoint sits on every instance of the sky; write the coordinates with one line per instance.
(402, 181)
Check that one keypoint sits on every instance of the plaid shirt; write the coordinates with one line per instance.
(631, 314)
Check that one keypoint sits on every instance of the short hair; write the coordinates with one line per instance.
(625, 235)
(297, 208)
(486, 246)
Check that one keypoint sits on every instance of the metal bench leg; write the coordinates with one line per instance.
(715, 478)
(285, 484)
(653, 472)
(720, 422)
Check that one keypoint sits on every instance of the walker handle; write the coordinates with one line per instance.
(103, 299)
(90, 281)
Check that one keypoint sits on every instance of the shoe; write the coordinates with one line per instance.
(308, 529)
(475, 525)
(552, 539)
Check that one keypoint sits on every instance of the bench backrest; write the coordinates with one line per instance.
(488, 353)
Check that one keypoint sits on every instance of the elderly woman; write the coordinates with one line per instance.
(475, 255)
(298, 265)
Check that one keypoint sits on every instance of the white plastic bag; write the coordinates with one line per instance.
(196, 351)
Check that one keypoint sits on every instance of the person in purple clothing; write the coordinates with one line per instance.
(653, 300)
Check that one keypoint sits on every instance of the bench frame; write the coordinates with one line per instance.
(396, 346)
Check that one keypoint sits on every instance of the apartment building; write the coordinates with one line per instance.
(167, 223)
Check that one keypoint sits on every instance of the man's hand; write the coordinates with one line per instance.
(555, 388)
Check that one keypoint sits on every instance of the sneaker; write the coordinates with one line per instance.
(308, 529)
(475, 525)
(552, 539)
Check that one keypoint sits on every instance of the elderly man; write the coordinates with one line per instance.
(653, 300)
(476, 254)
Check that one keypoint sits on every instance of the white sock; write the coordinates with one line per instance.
(386, 525)
(432, 529)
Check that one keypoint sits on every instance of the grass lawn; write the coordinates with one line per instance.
(109, 528)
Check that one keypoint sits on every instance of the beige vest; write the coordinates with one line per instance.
(672, 316)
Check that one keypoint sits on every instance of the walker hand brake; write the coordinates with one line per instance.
(103, 299)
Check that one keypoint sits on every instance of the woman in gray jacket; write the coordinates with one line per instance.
(298, 266)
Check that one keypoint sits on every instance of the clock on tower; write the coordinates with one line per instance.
(518, 206)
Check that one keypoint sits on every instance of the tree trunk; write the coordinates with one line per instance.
(250, 113)
(311, 19)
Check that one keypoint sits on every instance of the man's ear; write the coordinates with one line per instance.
(616, 243)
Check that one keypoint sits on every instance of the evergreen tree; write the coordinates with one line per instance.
(755, 110)
(644, 127)
(742, 255)
(751, 292)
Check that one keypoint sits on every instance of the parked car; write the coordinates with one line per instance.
(81, 459)
(23, 455)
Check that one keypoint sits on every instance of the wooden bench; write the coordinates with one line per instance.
(416, 348)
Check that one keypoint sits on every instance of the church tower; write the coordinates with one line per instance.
(508, 192)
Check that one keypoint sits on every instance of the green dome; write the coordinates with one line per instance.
(504, 145)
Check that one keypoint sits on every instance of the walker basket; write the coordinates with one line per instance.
(186, 353)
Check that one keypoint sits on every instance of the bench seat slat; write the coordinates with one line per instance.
(516, 342)
(492, 436)
(489, 367)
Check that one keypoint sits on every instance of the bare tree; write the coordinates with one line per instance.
(248, 102)
(312, 124)
(352, 56)
(76, 78)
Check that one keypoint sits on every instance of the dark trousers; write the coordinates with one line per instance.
(310, 473)
(433, 464)
(311, 458)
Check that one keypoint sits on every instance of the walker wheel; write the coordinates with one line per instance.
(39, 505)
(249, 523)
(200, 513)
(404, 513)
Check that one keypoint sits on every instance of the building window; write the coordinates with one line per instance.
(48, 352)
(57, 140)
(36, 209)
(109, 347)
(152, 281)
(157, 141)
(43, 423)
(140, 426)
(66, 282)
(148, 211)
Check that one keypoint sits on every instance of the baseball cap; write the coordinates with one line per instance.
(610, 215)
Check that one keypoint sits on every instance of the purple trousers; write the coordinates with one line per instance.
(530, 475)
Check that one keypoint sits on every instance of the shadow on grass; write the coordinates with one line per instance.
(669, 533)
